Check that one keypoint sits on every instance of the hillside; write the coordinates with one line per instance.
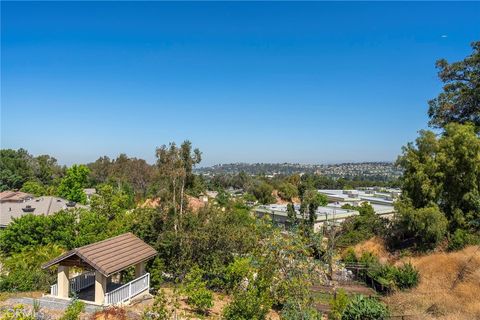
(375, 171)
(449, 285)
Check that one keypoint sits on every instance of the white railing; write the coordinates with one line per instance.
(128, 290)
(54, 290)
(77, 283)
(82, 281)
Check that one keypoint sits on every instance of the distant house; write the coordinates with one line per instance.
(19, 204)
(14, 196)
(89, 192)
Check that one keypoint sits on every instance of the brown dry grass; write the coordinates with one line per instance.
(439, 294)
(375, 245)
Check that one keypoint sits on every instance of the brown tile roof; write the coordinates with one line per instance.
(109, 256)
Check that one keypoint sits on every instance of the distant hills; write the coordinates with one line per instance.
(379, 171)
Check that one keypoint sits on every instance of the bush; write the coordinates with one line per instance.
(251, 303)
(22, 271)
(237, 271)
(196, 290)
(406, 276)
(16, 313)
(349, 256)
(362, 308)
(462, 238)
(73, 310)
(424, 227)
(159, 310)
(291, 310)
(338, 303)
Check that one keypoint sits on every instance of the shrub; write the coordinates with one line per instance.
(159, 310)
(406, 276)
(251, 303)
(462, 238)
(291, 310)
(338, 303)
(73, 310)
(363, 308)
(16, 313)
(349, 256)
(196, 290)
(237, 271)
(424, 227)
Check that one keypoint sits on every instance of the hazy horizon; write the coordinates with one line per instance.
(274, 82)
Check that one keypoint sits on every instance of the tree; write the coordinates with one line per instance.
(72, 185)
(445, 171)
(250, 303)
(263, 192)
(110, 201)
(459, 174)
(424, 227)
(15, 168)
(460, 100)
(291, 215)
(196, 290)
(47, 169)
(33, 187)
(420, 179)
(311, 200)
(287, 191)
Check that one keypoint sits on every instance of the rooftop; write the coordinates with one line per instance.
(108, 256)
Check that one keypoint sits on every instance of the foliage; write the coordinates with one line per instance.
(32, 230)
(237, 271)
(287, 191)
(123, 171)
(362, 227)
(33, 187)
(156, 273)
(445, 171)
(406, 276)
(196, 290)
(18, 312)
(462, 238)
(424, 227)
(18, 167)
(73, 310)
(160, 308)
(338, 303)
(250, 303)
(72, 185)
(263, 192)
(460, 100)
(22, 271)
(364, 308)
(110, 201)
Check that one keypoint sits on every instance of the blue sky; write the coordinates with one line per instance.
(245, 82)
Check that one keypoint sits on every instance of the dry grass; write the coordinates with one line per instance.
(449, 285)
(375, 245)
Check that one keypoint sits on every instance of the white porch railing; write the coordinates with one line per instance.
(77, 283)
(82, 281)
(54, 290)
(128, 290)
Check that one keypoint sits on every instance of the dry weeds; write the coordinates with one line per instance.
(449, 285)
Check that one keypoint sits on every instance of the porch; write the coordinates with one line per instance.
(102, 262)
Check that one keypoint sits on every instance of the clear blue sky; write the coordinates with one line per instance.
(249, 82)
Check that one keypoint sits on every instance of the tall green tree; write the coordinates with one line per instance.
(72, 185)
(445, 172)
(15, 168)
(460, 100)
